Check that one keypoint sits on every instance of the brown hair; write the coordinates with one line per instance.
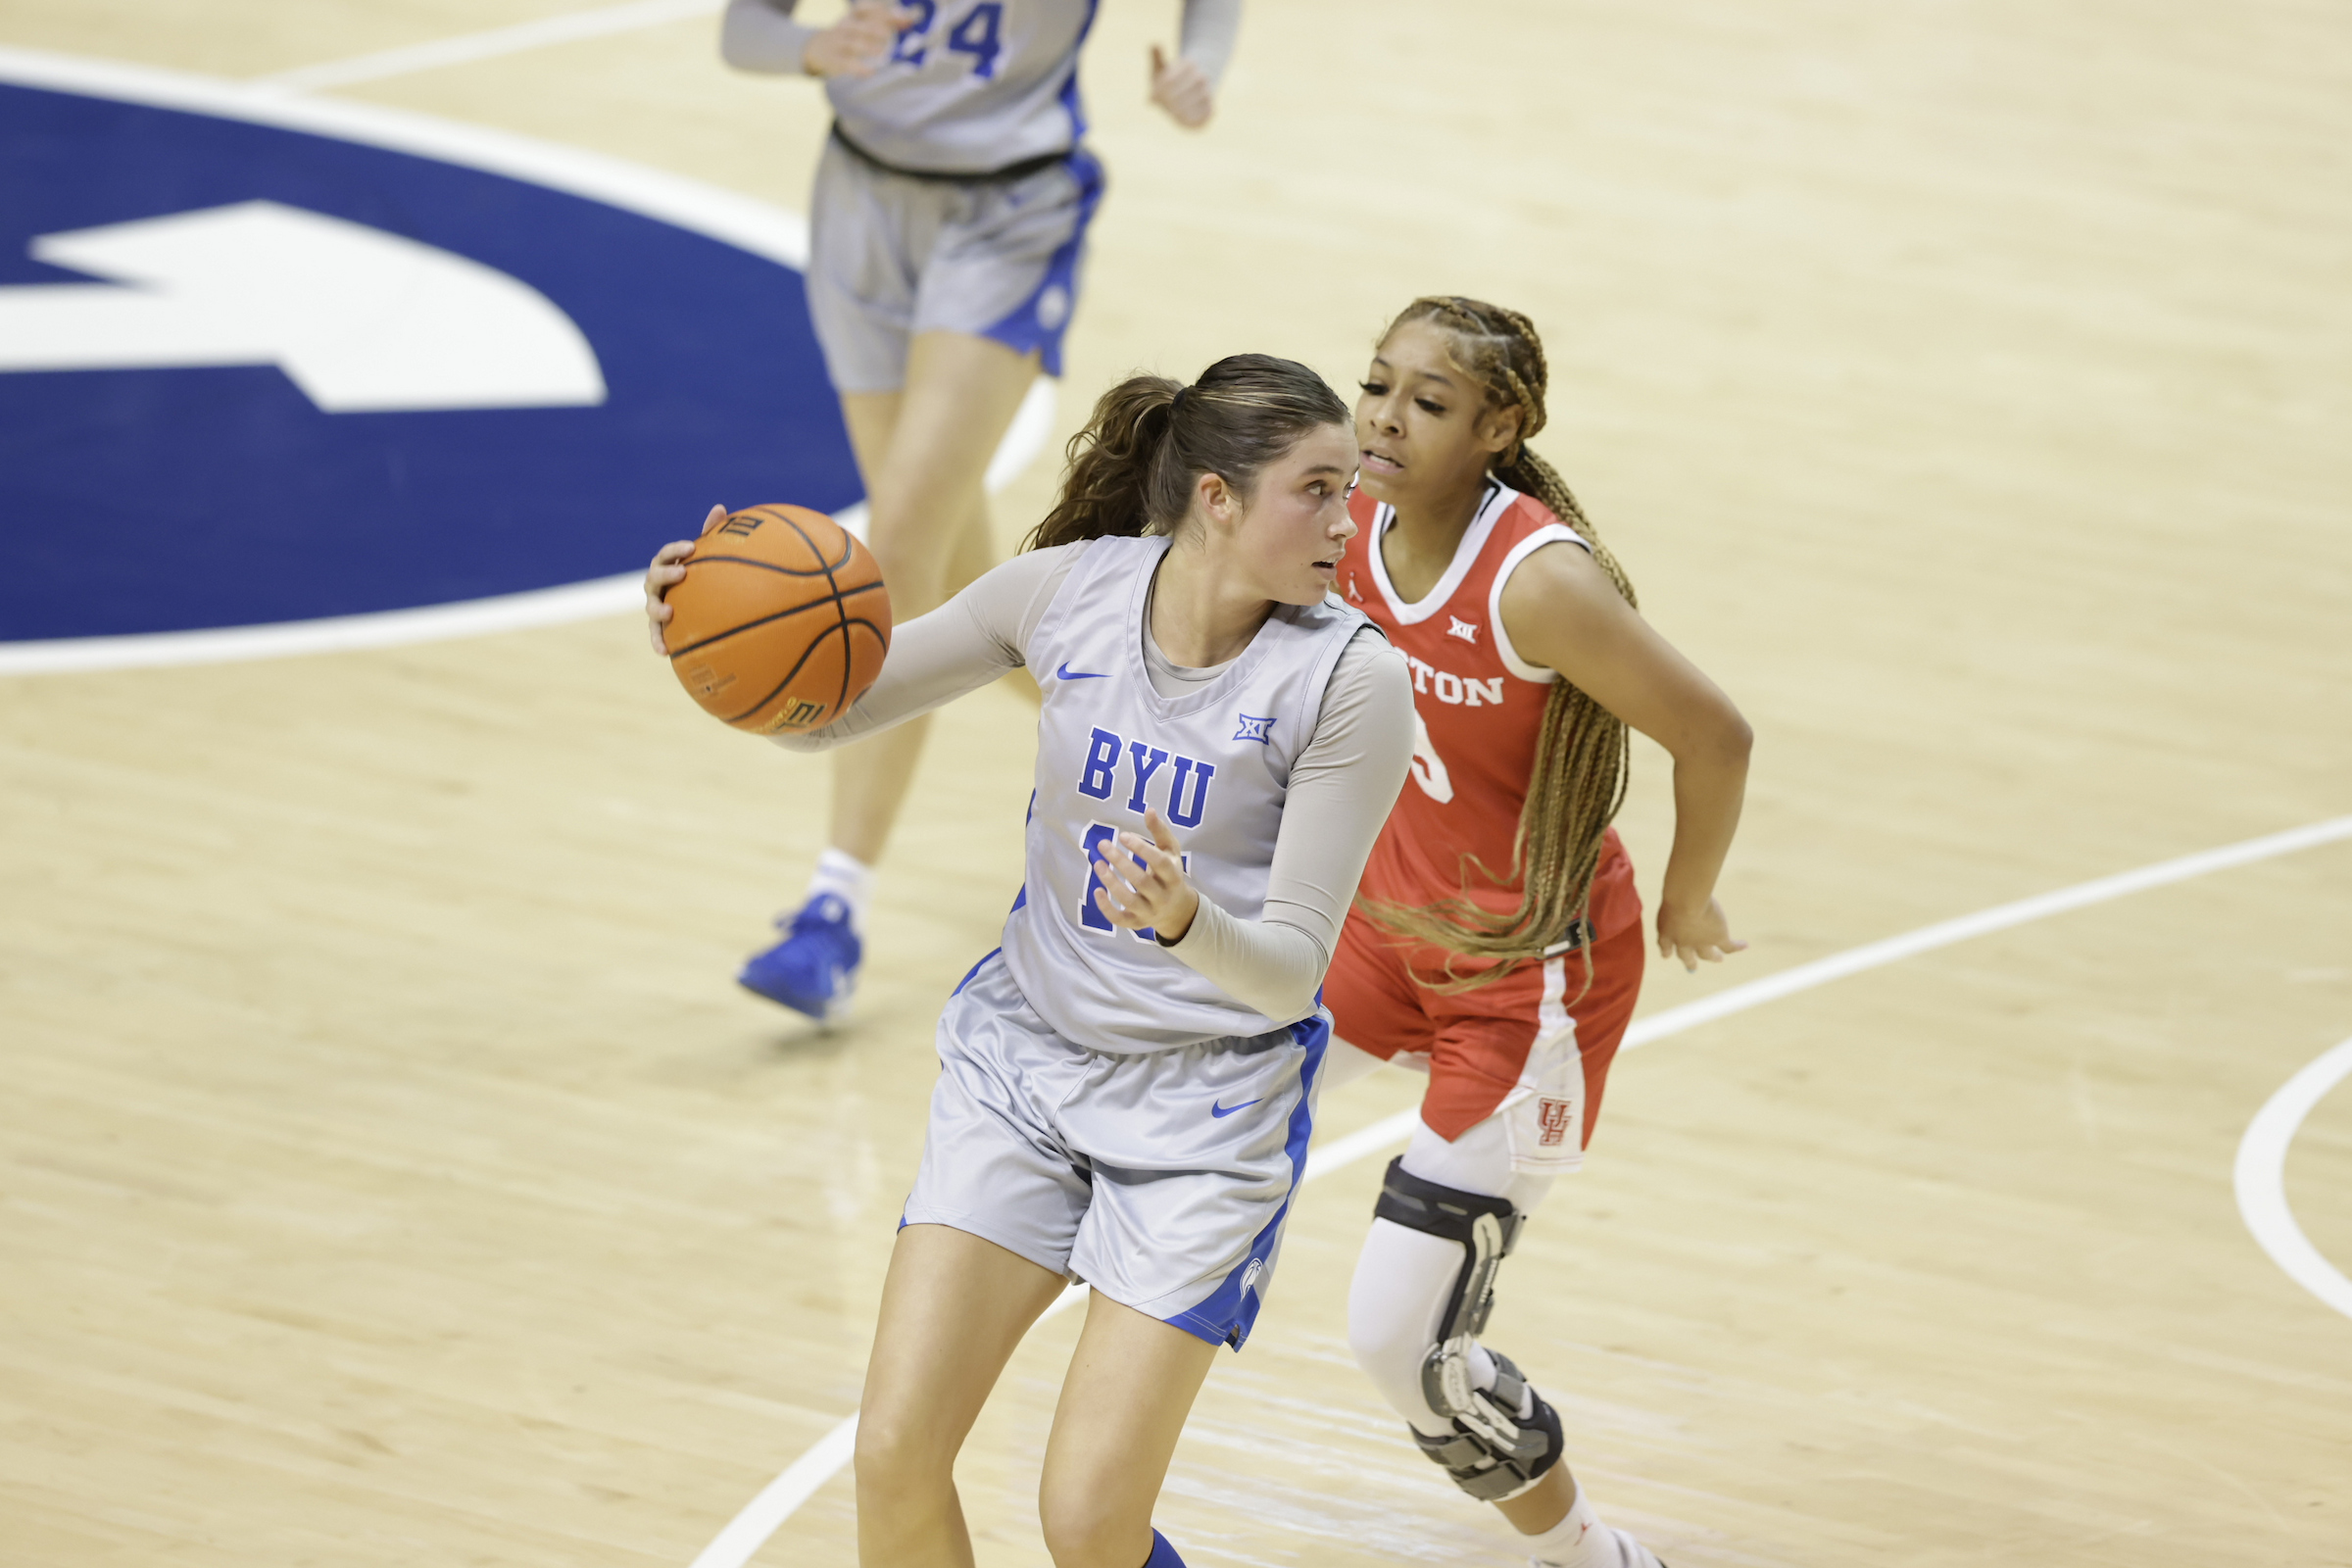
(1133, 468)
(1580, 752)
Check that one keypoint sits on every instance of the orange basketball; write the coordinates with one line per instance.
(781, 622)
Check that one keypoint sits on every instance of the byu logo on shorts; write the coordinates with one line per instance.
(285, 361)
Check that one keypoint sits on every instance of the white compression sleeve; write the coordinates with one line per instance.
(761, 35)
(1405, 1278)
(960, 647)
(1340, 791)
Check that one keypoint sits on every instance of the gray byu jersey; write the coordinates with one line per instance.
(971, 87)
(1214, 762)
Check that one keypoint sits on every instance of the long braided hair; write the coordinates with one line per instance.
(1580, 771)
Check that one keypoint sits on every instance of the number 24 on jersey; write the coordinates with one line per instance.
(979, 33)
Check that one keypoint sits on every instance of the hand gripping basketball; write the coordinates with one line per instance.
(776, 618)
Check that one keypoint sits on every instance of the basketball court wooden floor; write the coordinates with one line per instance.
(392, 1175)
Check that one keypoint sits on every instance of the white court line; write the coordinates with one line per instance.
(742, 222)
(468, 47)
(748, 1529)
(2261, 1179)
(330, 634)
(428, 623)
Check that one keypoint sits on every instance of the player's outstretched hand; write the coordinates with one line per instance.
(1697, 934)
(1182, 89)
(1145, 889)
(666, 574)
(858, 43)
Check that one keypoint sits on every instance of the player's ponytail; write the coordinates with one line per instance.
(1132, 469)
(1580, 752)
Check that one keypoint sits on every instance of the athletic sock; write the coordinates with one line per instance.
(1580, 1541)
(847, 878)
(1163, 1556)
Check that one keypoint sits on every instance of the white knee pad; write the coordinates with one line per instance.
(1403, 1279)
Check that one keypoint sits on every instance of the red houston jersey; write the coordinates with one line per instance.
(1477, 710)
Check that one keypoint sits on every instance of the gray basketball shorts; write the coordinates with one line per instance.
(891, 255)
(1162, 1180)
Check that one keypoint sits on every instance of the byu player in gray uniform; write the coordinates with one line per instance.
(1127, 1085)
(948, 224)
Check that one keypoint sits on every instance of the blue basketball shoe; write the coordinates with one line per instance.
(814, 968)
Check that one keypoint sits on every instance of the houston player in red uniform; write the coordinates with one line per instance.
(1496, 941)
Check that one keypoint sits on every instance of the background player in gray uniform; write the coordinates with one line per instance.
(947, 229)
(1127, 1085)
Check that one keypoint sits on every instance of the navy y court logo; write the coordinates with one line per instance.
(285, 361)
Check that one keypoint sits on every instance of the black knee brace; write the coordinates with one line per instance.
(1504, 1438)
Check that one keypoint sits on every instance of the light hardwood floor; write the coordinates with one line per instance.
(391, 1175)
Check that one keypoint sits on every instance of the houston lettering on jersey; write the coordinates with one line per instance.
(1470, 691)
(1478, 710)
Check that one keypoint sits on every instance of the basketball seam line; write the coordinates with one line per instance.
(767, 566)
(749, 625)
(818, 641)
(806, 654)
(841, 622)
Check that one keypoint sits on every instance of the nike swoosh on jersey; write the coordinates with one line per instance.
(1065, 673)
(1216, 1109)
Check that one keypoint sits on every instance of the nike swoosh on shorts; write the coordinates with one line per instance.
(1216, 1109)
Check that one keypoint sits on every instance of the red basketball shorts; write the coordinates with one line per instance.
(1508, 1046)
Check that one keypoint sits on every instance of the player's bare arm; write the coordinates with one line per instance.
(763, 35)
(1182, 89)
(858, 43)
(1563, 612)
(1185, 83)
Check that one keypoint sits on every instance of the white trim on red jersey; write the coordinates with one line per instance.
(1498, 498)
(1552, 533)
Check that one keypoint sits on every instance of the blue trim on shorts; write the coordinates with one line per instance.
(1023, 328)
(1020, 330)
(1229, 1312)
